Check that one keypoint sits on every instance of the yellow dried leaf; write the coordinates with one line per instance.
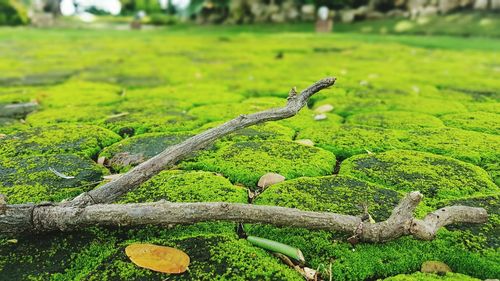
(158, 258)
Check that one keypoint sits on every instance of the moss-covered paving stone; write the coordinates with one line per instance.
(401, 120)
(139, 122)
(245, 162)
(347, 140)
(262, 131)
(469, 146)
(83, 140)
(437, 177)
(129, 152)
(478, 237)
(419, 276)
(305, 119)
(30, 179)
(484, 122)
(383, 100)
(227, 111)
(187, 186)
(323, 249)
(338, 194)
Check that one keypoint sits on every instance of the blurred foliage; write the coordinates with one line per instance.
(162, 19)
(12, 12)
(149, 6)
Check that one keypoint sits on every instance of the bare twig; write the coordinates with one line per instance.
(42, 218)
(130, 180)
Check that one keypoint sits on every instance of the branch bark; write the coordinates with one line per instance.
(46, 217)
(130, 180)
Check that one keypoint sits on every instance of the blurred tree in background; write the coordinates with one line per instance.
(13, 12)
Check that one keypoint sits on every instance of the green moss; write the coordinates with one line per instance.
(121, 156)
(348, 140)
(478, 237)
(437, 177)
(475, 121)
(163, 120)
(78, 139)
(468, 146)
(246, 162)
(227, 111)
(305, 120)
(28, 178)
(364, 261)
(419, 276)
(338, 194)
(400, 120)
(262, 131)
(182, 186)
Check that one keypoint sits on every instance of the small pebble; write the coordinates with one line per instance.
(324, 108)
(270, 179)
(320, 117)
(306, 142)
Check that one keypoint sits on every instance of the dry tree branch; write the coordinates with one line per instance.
(42, 218)
(130, 180)
(88, 209)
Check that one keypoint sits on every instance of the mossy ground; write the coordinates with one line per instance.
(409, 112)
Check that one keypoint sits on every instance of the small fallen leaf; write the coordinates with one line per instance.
(59, 174)
(158, 258)
(306, 142)
(12, 241)
(2, 136)
(324, 108)
(270, 179)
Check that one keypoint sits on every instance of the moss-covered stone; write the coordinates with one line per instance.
(29, 178)
(478, 237)
(262, 131)
(400, 120)
(78, 139)
(437, 177)
(419, 276)
(123, 155)
(364, 261)
(140, 122)
(184, 186)
(305, 120)
(468, 146)
(348, 140)
(245, 162)
(227, 111)
(475, 121)
(338, 194)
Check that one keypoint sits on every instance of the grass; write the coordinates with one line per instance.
(409, 112)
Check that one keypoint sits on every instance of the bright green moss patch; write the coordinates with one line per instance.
(185, 186)
(348, 140)
(78, 139)
(468, 146)
(436, 177)
(375, 101)
(401, 120)
(262, 131)
(475, 121)
(227, 111)
(478, 237)
(338, 194)
(419, 276)
(345, 194)
(29, 179)
(245, 162)
(121, 156)
(162, 120)
(305, 120)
